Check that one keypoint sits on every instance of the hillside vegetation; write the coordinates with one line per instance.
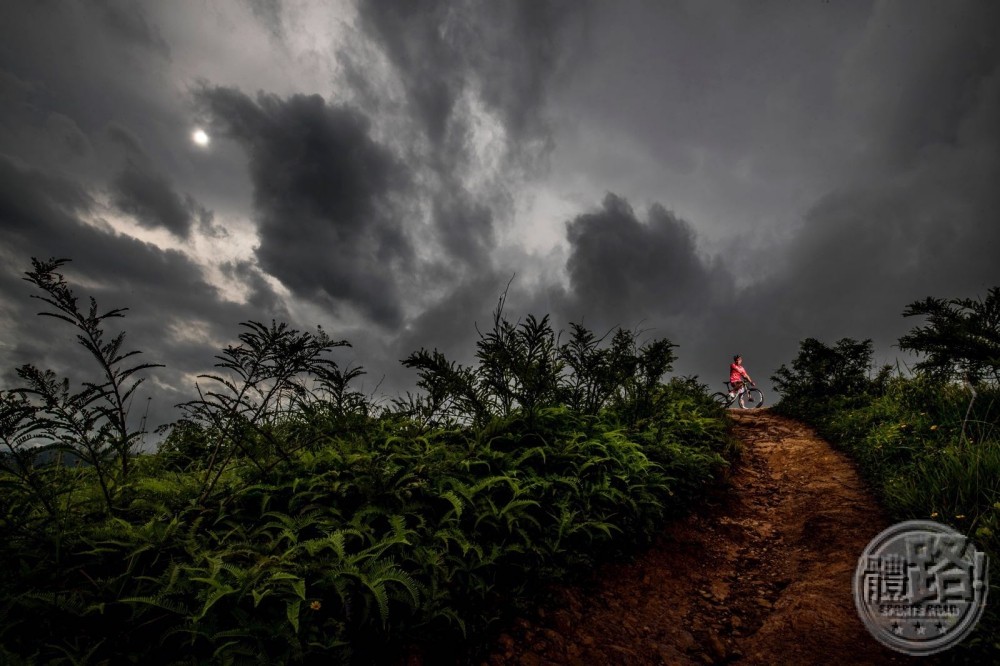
(287, 518)
(928, 442)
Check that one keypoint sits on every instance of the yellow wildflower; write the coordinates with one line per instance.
(933, 427)
(315, 605)
(934, 514)
(960, 516)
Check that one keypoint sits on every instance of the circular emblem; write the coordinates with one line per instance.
(920, 587)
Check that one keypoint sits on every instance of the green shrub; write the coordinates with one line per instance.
(928, 445)
(287, 519)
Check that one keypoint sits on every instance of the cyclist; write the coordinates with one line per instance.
(736, 375)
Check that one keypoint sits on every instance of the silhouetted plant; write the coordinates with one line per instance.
(36, 482)
(589, 383)
(92, 423)
(638, 371)
(518, 364)
(453, 392)
(521, 367)
(961, 337)
(336, 394)
(821, 374)
(266, 381)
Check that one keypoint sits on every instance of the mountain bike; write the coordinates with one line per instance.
(747, 397)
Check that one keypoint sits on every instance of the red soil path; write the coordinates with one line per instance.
(760, 575)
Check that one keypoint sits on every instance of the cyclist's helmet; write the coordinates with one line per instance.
(737, 356)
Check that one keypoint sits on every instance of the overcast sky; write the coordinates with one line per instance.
(734, 176)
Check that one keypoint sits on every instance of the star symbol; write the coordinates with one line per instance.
(920, 628)
(941, 628)
(897, 628)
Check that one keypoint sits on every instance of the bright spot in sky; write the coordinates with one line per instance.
(200, 137)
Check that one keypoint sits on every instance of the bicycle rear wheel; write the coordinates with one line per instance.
(721, 399)
(751, 399)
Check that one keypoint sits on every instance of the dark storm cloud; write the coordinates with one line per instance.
(43, 217)
(462, 64)
(31, 201)
(333, 205)
(465, 225)
(432, 70)
(880, 126)
(872, 126)
(13, 91)
(80, 82)
(62, 129)
(508, 51)
(34, 132)
(92, 61)
(450, 324)
(506, 55)
(543, 38)
(916, 73)
(920, 217)
(174, 315)
(261, 297)
(128, 21)
(150, 199)
(623, 270)
(325, 196)
(644, 274)
(125, 138)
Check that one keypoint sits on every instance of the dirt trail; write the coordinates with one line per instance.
(760, 576)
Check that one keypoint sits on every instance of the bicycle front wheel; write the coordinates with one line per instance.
(751, 399)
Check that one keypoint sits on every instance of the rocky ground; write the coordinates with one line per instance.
(760, 574)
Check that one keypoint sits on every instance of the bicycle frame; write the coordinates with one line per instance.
(745, 388)
(737, 392)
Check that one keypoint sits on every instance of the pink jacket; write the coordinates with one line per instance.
(736, 372)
